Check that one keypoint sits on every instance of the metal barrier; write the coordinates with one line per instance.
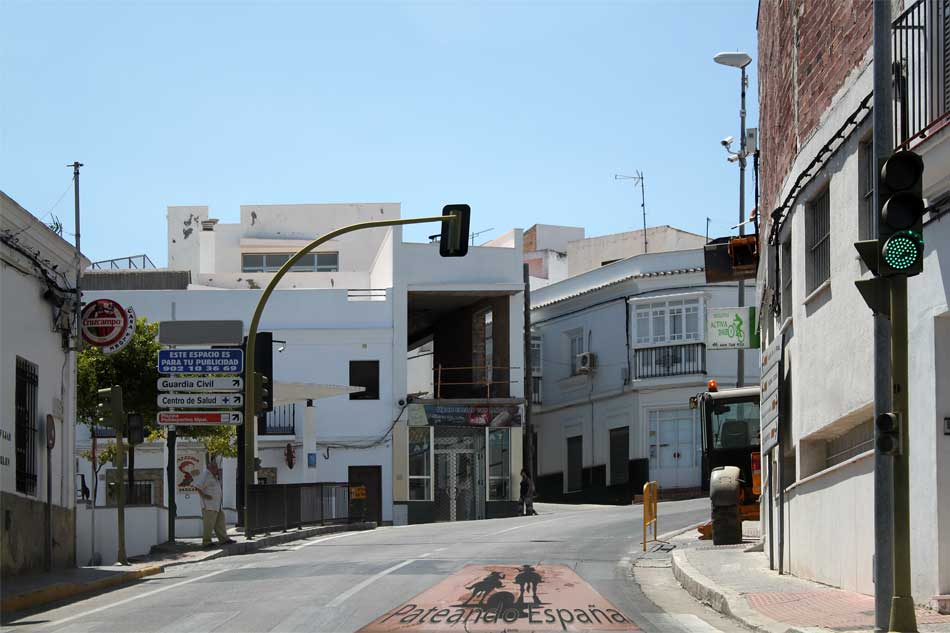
(651, 491)
(281, 507)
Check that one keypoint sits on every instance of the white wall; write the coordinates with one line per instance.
(588, 254)
(145, 526)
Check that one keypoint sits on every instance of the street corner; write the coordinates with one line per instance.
(513, 597)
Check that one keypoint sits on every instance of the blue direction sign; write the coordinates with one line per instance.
(201, 361)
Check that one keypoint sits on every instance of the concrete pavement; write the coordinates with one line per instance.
(343, 582)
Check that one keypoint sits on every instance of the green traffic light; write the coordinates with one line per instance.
(902, 250)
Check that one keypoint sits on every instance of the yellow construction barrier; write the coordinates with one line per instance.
(651, 491)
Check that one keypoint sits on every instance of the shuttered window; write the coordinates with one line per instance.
(818, 220)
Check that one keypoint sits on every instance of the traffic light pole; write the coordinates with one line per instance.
(903, 617)
(740, 353)
(120, 493)
(250, 405)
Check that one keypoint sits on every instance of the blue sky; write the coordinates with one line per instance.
(524, 110)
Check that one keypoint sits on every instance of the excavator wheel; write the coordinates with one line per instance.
(726, 525)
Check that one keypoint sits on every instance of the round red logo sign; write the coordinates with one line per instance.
(107, 324)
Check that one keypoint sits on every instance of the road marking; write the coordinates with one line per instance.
(524, 525)
(199, 622)
(325, 538)
(144, 595)
(340, 599)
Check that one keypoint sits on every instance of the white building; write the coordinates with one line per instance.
(37, 389)
(366, 310)
(820, 190)
(640, 324)
(594, 252)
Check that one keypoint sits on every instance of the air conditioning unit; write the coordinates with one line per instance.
(585, 363)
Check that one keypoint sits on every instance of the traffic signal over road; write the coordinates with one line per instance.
(888, 434)
(900, 235)
(454, 239)
(109, 408)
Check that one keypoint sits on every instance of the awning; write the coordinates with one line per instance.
(289, 392)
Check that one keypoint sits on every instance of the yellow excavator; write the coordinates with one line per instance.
(731, 459)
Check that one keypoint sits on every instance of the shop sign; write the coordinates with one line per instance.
(731, 328)
(462, 415)
(506, 598)
(107, 325)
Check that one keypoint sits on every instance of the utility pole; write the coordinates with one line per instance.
(120, 491)
(740, 353)
(883, 145)
(528, 378)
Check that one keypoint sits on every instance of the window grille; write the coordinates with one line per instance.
(819, 240)
(25, 427)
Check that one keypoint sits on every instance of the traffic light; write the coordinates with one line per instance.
(901, 229)
(135, 428)
(263, 366)
(454, 239)
(263, 396)
(109, 409)
(888, 434)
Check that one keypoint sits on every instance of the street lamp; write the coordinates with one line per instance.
(738, 60)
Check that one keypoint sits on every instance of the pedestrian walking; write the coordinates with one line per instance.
(527, 493)
(208, 484)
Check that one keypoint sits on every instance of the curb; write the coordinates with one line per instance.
(726, 602)
(68, 589)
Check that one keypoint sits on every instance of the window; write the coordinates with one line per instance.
(668, 322)
(420, 463)
(853, 442)
(536, 355)
(25, 426)
(365, 373)
(818, 220)
(489, 347)
(499, 465)
(866, 191)
(619, 455)
(536, 389)
(735, 424)
(271, 262)
(786, 273)
(577, 348)
(575, 463)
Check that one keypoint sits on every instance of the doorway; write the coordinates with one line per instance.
(459, 474)
(371, 508)
(674, 448)
(575, 463)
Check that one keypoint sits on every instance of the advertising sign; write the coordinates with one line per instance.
(188, 467)
(731, 328)
(200, 418)
(107, 325)
(461, 415)
(167, 383)
(200, 400)
(201, 361)
(769, 403)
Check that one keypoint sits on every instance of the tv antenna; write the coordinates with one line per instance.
(477, 233)
(638, 180)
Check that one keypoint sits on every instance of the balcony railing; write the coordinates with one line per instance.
(474, 382)
(280, 421)
(670, 360)
(921, 49)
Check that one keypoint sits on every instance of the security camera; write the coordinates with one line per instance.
(733, 158)
(726, 142)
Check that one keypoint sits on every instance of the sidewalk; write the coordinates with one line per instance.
(740, 584)
(33, 590)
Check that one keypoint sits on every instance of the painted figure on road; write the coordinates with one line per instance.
(485, 586)
(528, 578)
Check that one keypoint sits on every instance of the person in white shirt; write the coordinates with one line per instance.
(208, 484)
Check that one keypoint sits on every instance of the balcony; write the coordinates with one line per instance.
(478, 382)
(669, 360)
(280, 421)
(921, 51)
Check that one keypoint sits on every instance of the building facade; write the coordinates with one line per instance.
(617, 352)
(367, 310)
(815, 86)
(38, 392)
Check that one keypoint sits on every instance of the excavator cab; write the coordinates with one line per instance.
(731, 459)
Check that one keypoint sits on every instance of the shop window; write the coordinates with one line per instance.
(420, 464)
(25, 425)
(365, 373)
(619, 455)
(499, 465)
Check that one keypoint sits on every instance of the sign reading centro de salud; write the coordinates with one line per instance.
(201, 361)
(731, 328)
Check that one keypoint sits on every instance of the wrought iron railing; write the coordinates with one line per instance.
(473, 382)
(920, 39)
(669, 360)
(275, 507)
(280, 421)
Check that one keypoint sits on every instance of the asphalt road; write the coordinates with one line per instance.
(344, 582)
